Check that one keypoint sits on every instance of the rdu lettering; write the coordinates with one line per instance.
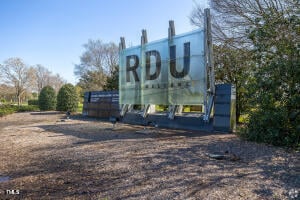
(132, 64)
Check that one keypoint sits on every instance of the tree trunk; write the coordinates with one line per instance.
(19, 100)
(237, 103)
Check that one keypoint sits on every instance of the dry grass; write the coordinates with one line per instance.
(46, 158)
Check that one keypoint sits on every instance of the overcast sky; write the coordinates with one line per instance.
(52, 32)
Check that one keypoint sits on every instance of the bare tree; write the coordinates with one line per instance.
(7, 93)
(97, 63)
(219, 33)
(43, 76)
(232, 20)
(56, 81)
(1, 75)
(111, 57)
(17, 74)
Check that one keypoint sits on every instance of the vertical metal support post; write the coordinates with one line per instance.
(124, 107)
(171, 33)
(144, 38)
(147, 108)
(208, 51)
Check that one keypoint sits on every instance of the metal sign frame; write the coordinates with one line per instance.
(209, 83)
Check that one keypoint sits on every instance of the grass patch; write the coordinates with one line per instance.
(80, 107)
(9, 109)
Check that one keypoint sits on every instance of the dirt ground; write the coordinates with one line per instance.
(45, 157)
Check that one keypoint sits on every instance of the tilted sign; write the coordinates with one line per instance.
(165, 72)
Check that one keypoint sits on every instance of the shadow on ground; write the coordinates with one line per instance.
(101, 162)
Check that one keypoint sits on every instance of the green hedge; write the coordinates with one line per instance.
(28, 108)
(9, 109)
(47, 98)
(34, 102)
(273, 126)
(67, 99)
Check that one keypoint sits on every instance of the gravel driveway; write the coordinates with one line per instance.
(44, 156)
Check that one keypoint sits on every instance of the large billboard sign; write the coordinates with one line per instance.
(166, 72)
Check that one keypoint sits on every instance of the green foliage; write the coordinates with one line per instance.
(112, 82)
(96, 64)
(92, 81)
(186, 109)
(275, 89)
(34, 95)
(67, 98)
(234, 66)
(161, 108)
(27, 108)
(256, 47)
(7, 109)
(33, 102)
(47, 98)
(272, 126)
(243, 118)
(80, 107)
(80, 93)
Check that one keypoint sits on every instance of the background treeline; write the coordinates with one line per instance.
(20, 81)
(67, 99)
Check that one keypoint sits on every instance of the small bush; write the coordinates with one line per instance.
(7, 109)
(28, 108)
(67, 98)
(47, 98)
(2, 100)
(10, 109)
(274, 127)
(34, 102)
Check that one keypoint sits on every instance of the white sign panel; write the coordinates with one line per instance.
(165, 72)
